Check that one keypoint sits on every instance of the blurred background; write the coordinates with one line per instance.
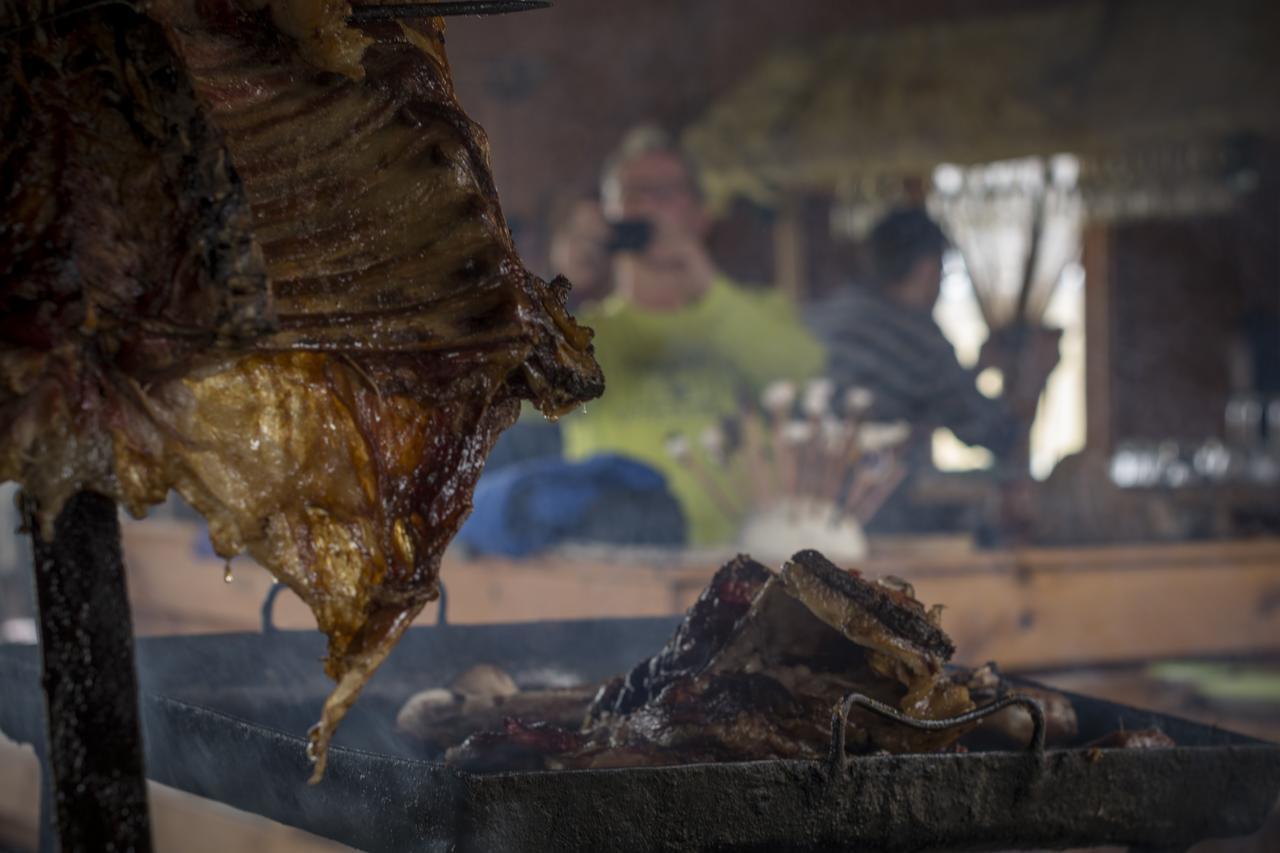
(984, 295)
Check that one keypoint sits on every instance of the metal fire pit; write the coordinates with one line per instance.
(225, 717)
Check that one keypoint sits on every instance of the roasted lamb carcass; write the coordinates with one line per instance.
(255, 255)
(754, 672)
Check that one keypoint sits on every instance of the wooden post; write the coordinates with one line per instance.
(1097, 335)
(790, 264)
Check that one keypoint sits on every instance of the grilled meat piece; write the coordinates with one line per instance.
(1012, 728)
(823, 632)
(286, 293)
(517, 746)
(439, 724)
(718, 717)
(901, 641)
(756, 668)
(480, 699)
(704, 632)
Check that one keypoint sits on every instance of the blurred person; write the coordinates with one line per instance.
(648, 179)
(880, 335)
(577, 236)
(579, 248)
(679, 343)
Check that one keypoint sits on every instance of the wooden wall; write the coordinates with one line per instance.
(1177, 300)
(1167, 300)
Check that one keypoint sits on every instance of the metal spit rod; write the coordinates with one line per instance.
(94, 782)
(362, 13)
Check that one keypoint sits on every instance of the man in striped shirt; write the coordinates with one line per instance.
(880, 335)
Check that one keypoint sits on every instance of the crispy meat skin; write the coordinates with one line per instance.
(754, 671)
(158, 173)
(704, 631)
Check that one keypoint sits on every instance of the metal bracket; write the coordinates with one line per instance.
(442, 614)
(838, 760)
(269, 607)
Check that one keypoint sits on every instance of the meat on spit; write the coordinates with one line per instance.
(254, 254)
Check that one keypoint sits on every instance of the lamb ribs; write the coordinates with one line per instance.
(753, 672)
(255, 255)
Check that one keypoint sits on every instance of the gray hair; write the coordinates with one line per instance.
(637, 142)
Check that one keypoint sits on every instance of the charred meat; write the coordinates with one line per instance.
(484, 698)
(753, 672)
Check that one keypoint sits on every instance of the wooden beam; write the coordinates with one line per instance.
(791, 273)
(1099, 436)
(1038, 607)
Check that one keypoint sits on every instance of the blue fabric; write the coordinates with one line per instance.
(533, 505)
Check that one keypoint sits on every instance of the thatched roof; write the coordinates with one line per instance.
(1094, 78)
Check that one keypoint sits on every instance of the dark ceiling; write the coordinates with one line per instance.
(556, 88)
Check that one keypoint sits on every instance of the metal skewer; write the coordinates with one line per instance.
(880, 491)
(841, 459)
(816, 404)
(837, 759)
(680, 449)
(867, 476)
(847, 452)
(794, 436)
(363, 14)
(761, 473)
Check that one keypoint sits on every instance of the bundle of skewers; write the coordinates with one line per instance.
(801, 465)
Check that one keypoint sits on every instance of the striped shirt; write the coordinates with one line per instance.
(904, 359)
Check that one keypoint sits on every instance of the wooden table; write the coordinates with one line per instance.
(1028, 609)
(1032, 609)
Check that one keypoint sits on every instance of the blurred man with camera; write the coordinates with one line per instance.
(680, 344)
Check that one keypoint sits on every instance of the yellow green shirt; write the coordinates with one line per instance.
(682, 371)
